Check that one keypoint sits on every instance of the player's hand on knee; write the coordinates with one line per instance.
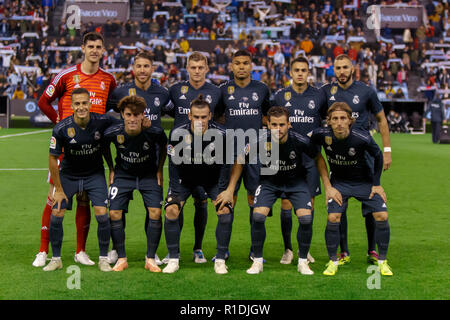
(380, 191)
(146, 123)
(223, 199)
(334, 194)
(59, 196)
(51, 190)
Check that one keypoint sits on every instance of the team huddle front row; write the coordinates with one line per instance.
(85, 139)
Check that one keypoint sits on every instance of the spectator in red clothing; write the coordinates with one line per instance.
(338, 50)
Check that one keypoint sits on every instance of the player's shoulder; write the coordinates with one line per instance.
(259, 84)
(153, 130)
(327, 86)
(180, 128)
(64, 73)
(361, 135)
(217, 126)
(211, 86)
(66, 122)
(281, 91)
(106, 73)
(157, 88)
(363, 86)
(178, 85)
(321, 131)
(298, 136)
(114, 129)
(226, 84)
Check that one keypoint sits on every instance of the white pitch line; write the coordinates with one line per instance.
(23, 169)
(24, 133)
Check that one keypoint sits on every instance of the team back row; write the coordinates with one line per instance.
(293, 117)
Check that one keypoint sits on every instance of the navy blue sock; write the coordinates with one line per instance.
(343, 232)
(172, 233)
(382, 234)
(103, 233)
(370, 228)
(153, 237)
(258, 234)
(332, 239)
(118, 237)
(181, 219)
(304, 235)
(286, 227)
(200, 221)
(56, 234)
(223, 233)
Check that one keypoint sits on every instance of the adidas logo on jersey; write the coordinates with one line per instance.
(309, 204)
(332, 98)
(44, 228)
(288, 104)
(384, 205)
(329, 148)
(73, 141)
(183, 97)
(231, 98)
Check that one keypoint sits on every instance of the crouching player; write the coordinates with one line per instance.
(288, 178)
(196, 152)
(137, 167)
(81, 137)
(351, 176)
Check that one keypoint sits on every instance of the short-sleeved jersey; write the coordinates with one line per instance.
(360, 98)
(100, 85)
(82, 147)
(244, 107)
(183, 93)
(346, 157)
(288, 167)
(197, 168)
(306, 110)
(136, 155)
(156, 98)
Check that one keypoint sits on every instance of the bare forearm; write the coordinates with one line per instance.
(236, 172)
(323, 170)
(54, 172)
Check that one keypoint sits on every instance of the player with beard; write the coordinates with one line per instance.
(362, 100)
(307, 108)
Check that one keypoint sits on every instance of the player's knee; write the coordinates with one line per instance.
(261, 210)
(305, 219)
(172, 212)
(259, 217)
(99, 211)
(154, 213)
(334, 217)
(286, 204)
(225, 218)
(380, 216)
(115, 215)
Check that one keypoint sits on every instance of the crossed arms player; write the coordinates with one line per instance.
(100, 84)
(81, 137)
(351, 176)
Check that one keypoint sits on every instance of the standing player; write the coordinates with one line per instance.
(80, 135)
(289, 178)
(156, 98)
(100, 84)
(139, 165)
(244, 103)
(362, 100)
(201, 163)
(307, 108)
(351, 176)
(182, 94)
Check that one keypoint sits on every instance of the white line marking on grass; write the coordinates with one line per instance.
(23, 169)
(24, 133)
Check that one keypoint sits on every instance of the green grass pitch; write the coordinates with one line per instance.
(418, 192)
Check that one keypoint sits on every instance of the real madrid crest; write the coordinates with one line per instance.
(287, 95)
(333, 90)
(356, 99)
(208, 98)
(292, 155)
(71, 132)
(188, 138)
(230, 90)
(184, 89)
(157, 102)
(120, 139)
(146, 146)
(328, 140)
(311, 104)
(77, 78)
(132, 91)
(97, 135)
(255, 96)
(351, 151)
(102, 85)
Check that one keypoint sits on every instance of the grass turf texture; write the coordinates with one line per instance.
(418, 210)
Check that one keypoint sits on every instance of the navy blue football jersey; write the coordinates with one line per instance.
(136, 155)
(182, 94)
(156, 97)
(82, 148)
(306, 110)
(347, 157)
(244, 107)
(361, 98)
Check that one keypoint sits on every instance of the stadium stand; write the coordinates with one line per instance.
(402, 64)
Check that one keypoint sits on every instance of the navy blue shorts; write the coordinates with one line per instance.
(121, 191)
(94, 185)
(361, 192)
(183, 191)
(250, 175)
(267, 193)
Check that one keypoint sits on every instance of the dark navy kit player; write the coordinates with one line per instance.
(139, 166)
(362, 100)
(182, 94)
(288, 178)
(351, 176)
(196, 167)
(436, 114)
(307, 107)
(81, 138)
(244, 105)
